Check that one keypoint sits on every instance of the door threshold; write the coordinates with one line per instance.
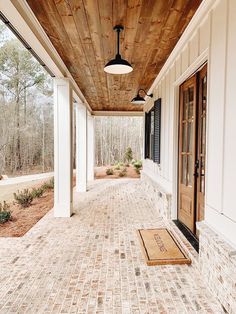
(188, 234)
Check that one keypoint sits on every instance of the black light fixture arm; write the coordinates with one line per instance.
(118, 29)
(118, 41)
(150, 95)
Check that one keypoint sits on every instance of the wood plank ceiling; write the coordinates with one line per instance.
(82, 33)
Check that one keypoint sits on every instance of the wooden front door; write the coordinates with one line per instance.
(187, 125)
(192, 143)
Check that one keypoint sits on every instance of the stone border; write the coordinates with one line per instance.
(217, 262)
(160, 198)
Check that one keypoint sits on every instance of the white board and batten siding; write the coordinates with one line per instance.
(209, 37)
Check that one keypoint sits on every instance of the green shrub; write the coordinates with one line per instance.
(118, 165)
(36, 193)
(5, 213)
(5, 206)
(129, 154)
(109, 171)
(137, 164)
(48, 185)
(24, 198)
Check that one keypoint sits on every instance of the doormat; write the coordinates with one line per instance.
(161, 248)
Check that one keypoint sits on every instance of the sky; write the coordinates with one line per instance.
(5, 33)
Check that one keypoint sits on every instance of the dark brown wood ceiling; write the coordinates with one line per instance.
(82, 33)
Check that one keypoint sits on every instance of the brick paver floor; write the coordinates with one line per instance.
(92, 262)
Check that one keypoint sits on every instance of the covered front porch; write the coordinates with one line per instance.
(84, 256)
(92, 262)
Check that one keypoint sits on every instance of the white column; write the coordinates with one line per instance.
(63, 110)
(81, 148)
(90, 147)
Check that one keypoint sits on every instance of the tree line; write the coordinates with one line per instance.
(26, 110)
(26, 117)
(114, 135)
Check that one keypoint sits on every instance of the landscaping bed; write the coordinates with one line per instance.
(23, 219)
(117, 172)
(25, 215)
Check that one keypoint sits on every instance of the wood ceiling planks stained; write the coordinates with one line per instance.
(82, 33)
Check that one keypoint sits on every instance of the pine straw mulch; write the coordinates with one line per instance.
(23, 219)
(131, 173)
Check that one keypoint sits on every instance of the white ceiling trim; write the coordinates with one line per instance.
(118, 113)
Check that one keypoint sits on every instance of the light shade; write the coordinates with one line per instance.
(118, 66)
(138, 100)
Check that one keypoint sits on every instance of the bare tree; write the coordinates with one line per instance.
(26, 119)
(114, 135)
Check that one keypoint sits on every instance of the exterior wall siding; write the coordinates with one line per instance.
(210, 37)
(214, 38)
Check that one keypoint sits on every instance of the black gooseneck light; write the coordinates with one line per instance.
(118, 65)
(139, 100)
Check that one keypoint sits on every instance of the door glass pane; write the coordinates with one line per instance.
(190, 170)
(190, 137)
(184, 169)
(185, 105)
(184, 137)
(190, 91)
(190, 103)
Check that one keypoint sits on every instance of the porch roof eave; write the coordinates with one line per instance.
(19, 14)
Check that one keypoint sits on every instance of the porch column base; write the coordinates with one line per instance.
(63, 211)
(81, 188)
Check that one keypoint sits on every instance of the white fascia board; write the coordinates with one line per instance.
(23, 19)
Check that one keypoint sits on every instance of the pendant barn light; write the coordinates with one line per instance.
(118, 65)
(138, 100)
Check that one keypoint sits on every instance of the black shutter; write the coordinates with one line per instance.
(147, 135)
(157, 131)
